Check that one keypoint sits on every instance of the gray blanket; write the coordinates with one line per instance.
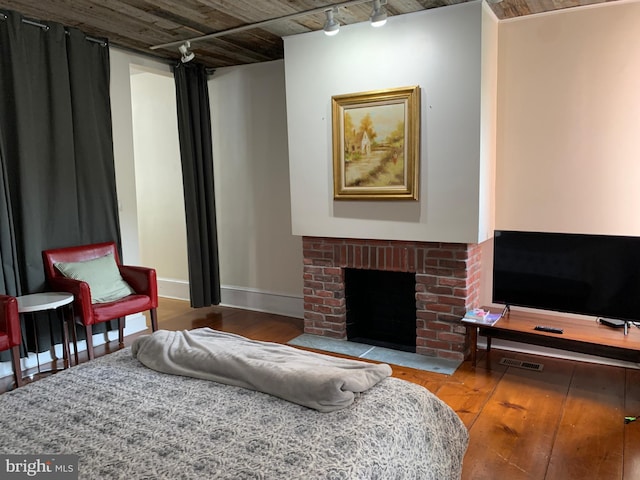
(317, 381)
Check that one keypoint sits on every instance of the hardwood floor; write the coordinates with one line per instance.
(565, 422)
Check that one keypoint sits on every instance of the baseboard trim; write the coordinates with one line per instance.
(240, 297)
(261, 301)
(172, 288)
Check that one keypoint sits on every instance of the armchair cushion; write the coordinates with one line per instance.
(102, 275)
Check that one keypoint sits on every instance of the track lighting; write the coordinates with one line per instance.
(187, 56)
(377, 18)
(331, 26)
(379, 13)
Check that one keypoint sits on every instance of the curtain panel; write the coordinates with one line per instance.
(196, 152)
(57, 175)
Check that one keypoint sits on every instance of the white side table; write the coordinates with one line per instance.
(40, 302)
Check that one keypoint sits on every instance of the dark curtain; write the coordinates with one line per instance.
(57, 184)
(194, 128)
(10, 278)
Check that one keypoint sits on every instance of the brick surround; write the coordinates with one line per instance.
(447, 284)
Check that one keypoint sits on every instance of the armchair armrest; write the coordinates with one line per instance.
(10, 320)
(142, 280)
(81, 294)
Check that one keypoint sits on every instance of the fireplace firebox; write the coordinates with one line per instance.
(381, 308)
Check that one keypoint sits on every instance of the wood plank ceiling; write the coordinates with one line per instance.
(140, 24)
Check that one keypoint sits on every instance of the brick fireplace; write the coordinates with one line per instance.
(447, 284)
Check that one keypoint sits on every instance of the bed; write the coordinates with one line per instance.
(127, 421)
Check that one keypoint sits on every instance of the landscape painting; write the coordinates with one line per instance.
(375, 144)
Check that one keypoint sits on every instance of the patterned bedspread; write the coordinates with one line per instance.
(126, 421)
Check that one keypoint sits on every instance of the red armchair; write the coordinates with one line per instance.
(142, 280)
(10, 333)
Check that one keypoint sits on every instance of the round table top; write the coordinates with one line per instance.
(37, 302)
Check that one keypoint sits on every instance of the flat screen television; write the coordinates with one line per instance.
(596, 275)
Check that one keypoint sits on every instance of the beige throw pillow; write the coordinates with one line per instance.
(102, 275)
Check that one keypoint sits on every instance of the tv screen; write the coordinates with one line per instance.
(596, 275)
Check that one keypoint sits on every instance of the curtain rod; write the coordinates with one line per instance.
(99, 41)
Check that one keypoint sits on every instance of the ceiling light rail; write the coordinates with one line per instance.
(332, 8)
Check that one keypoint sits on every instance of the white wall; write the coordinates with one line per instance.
(568, 117)
(488, 123)
(122, 124)
(437, 49)
(134, 154)
(158, 177)
(260, 260)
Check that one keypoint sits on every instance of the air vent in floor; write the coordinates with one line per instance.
(511, 362)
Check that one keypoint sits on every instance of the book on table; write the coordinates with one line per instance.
(481, 317)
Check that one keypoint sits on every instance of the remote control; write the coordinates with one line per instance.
(548, 329)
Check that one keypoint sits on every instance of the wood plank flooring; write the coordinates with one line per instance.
(565, 422)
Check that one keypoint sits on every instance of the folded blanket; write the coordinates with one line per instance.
(311, 379)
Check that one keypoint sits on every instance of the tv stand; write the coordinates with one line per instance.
(581, 336)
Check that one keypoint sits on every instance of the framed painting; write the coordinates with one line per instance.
(376, 147)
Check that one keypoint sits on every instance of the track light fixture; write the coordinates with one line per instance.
(379, 13)
(331, 26)
(187, 56)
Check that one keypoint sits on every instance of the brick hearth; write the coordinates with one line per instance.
(447, 284)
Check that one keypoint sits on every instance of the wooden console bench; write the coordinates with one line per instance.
(580, 336)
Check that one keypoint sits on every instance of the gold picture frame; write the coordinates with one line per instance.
(376, 146)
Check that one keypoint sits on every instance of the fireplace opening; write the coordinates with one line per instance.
(381, 308)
